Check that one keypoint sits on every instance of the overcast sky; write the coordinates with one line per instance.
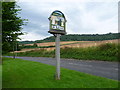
(83, 16)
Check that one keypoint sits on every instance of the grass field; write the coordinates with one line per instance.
(19, 73)
(0, 76)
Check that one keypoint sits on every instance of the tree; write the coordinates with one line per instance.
(35, 45)
(11, 25)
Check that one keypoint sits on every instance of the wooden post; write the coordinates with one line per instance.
(57, 76)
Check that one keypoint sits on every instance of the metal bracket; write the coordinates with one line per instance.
(56, 35)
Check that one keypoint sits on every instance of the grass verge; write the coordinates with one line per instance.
(0, 76)
(19, 73)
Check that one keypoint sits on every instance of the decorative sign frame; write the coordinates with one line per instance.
(57, 23)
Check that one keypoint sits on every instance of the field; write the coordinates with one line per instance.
(19, 73)
(70, 44)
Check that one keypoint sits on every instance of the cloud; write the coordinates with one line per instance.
(57, 1)
(82, 17)
(31, 36)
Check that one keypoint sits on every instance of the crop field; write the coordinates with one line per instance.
(69, 44)
(53, 43)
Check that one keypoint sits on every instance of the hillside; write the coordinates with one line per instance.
(49, 46)
(78, 37)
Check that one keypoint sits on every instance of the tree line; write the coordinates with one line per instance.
(79, 37)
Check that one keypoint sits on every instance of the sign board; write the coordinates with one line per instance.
(57, 23)
(57, 27)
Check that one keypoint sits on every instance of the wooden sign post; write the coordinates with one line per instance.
(57, 28)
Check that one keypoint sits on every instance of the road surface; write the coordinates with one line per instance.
(98, 68)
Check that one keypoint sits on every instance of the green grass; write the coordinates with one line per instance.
(105, 52)
(0, 76)
(19, 73)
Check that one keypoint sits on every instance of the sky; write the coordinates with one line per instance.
(83, 16)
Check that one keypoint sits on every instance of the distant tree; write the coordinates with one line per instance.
(11, 25)
(35, 45)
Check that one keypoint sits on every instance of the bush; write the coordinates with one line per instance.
(35, 45)
(109, 49)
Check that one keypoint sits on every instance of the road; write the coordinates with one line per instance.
(98, 68)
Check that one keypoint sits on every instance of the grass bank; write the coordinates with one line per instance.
(105, 52)
(0, 76)
(19, 73)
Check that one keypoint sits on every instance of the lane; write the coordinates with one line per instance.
(98, 68)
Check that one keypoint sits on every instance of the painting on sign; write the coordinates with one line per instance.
(57, 22)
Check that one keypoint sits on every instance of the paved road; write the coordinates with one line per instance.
(98, 68)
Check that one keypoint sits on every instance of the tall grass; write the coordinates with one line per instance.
(105, 52)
